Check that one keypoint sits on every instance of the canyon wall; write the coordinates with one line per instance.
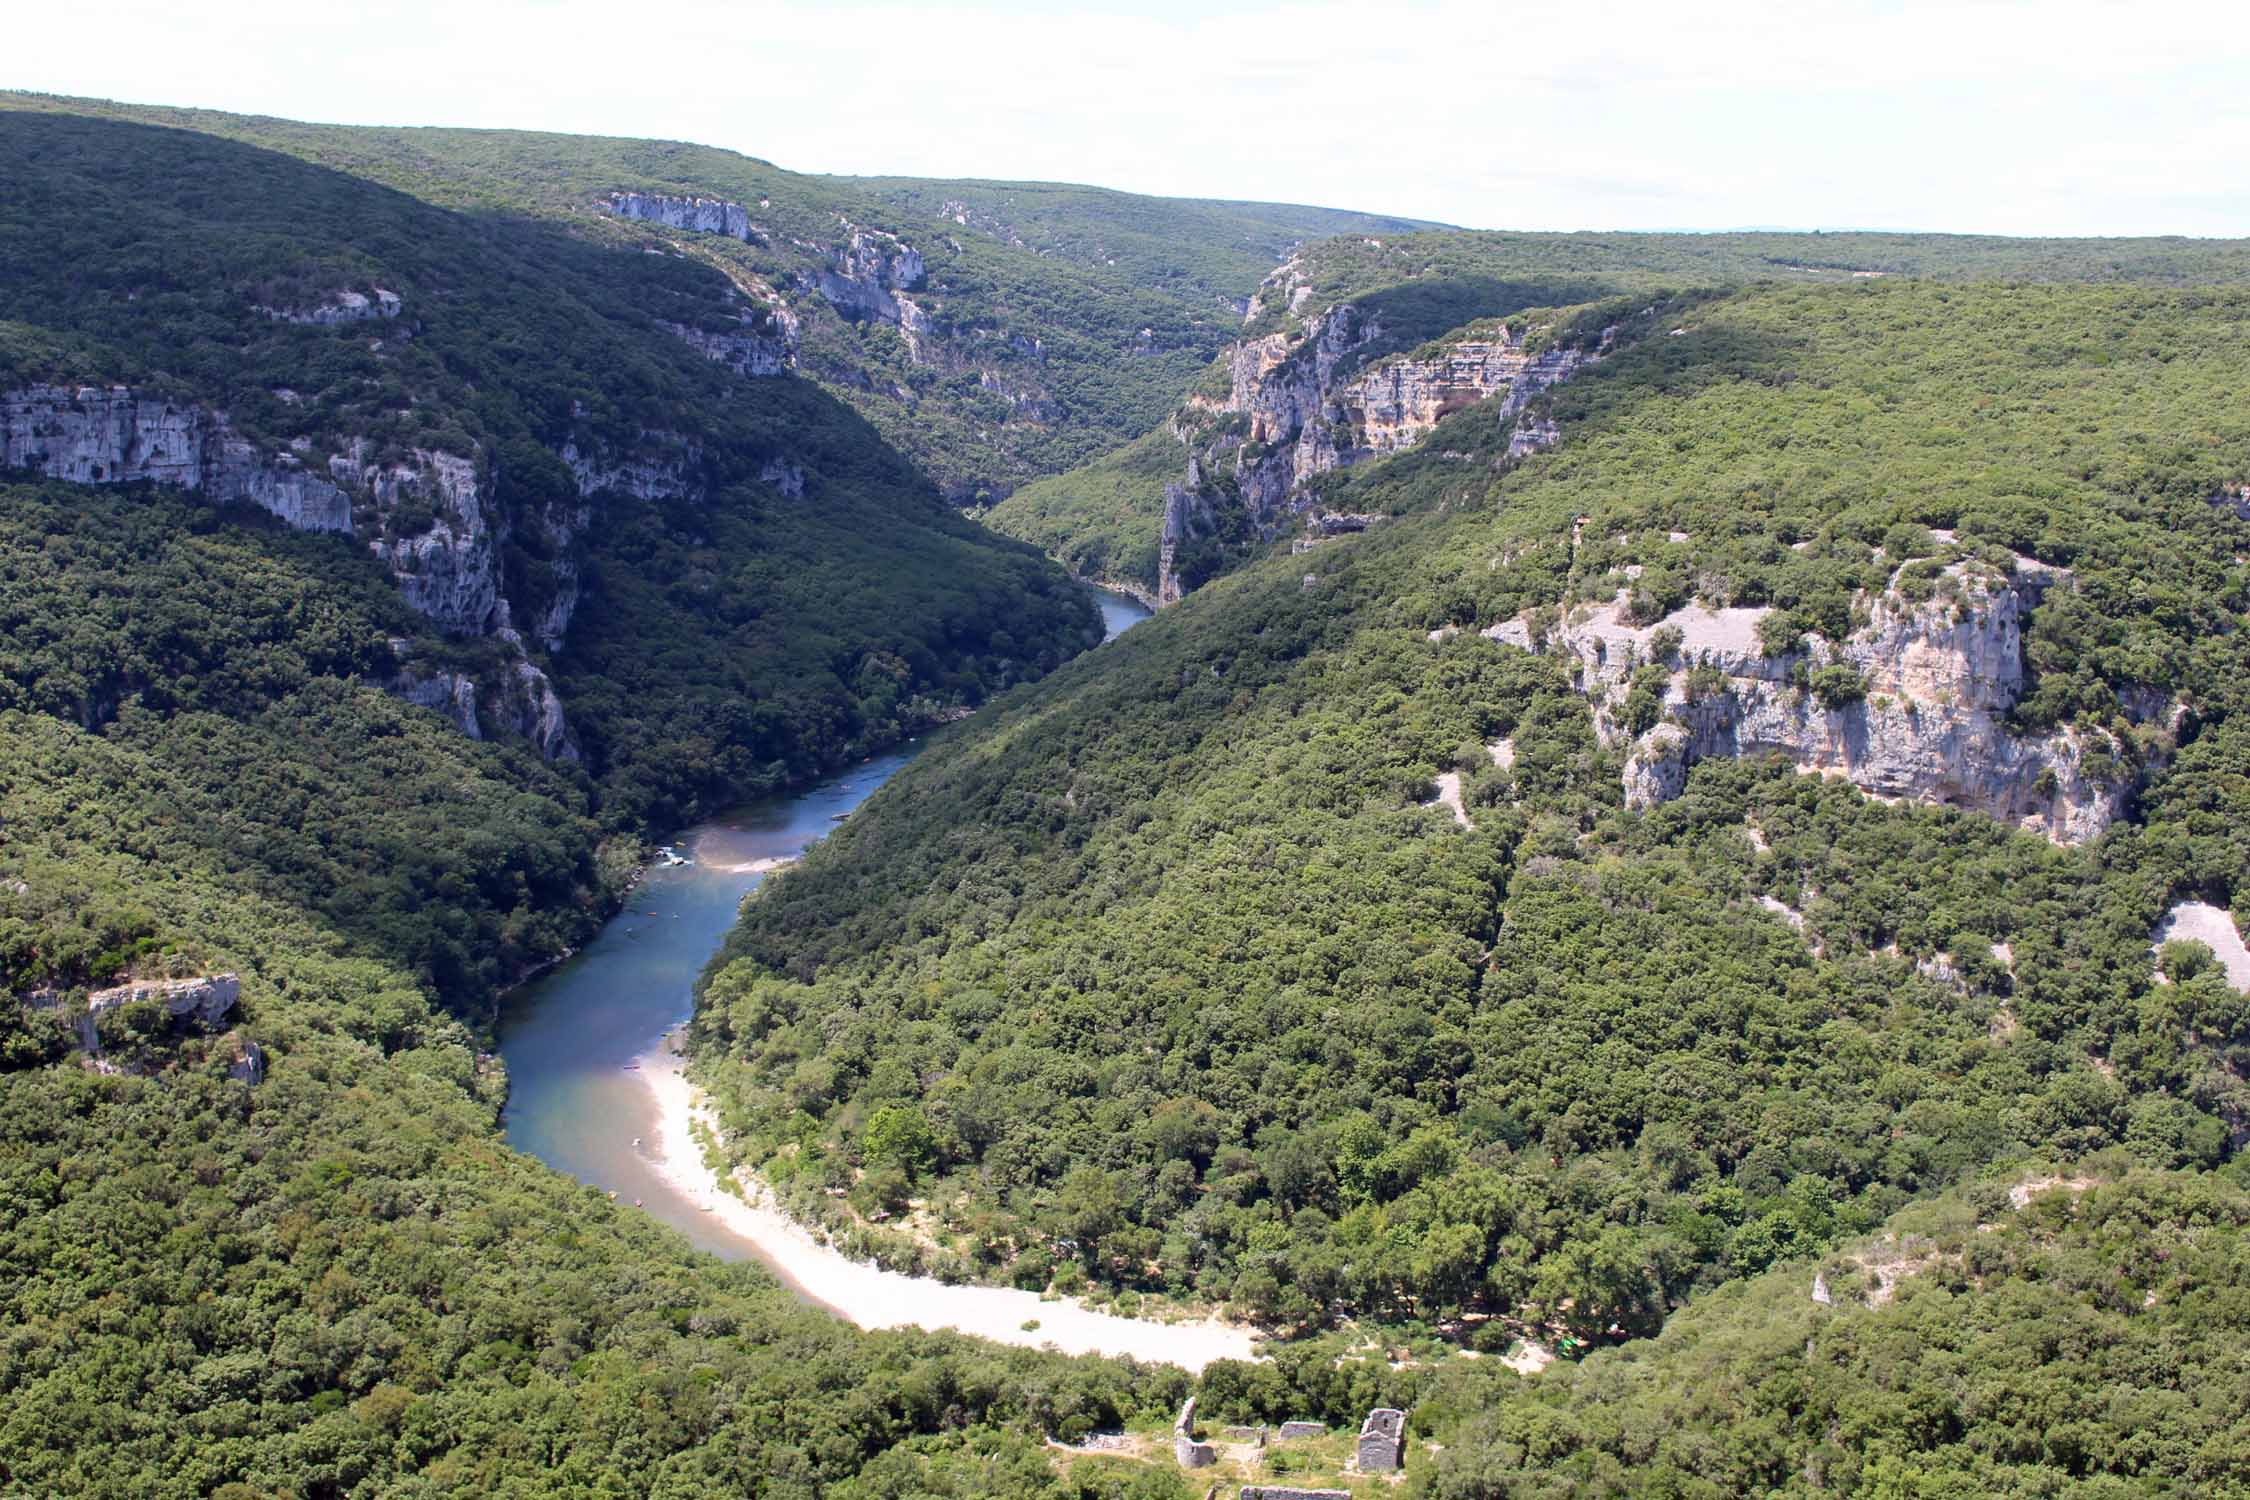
(1301, 404)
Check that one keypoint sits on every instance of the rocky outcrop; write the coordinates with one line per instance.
(449, 568)
(750, 349)
(425, 515)
(341, 306)
(697, 215)
(784, 476)
(451, 694)
(117, 434)
(1301, 404)
(663, 468)
(759, 336)
(520, 701)
(1912, 706)
(206, 999)
(525, 704)
(866, 277)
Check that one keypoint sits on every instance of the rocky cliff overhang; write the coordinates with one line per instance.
(1911, 707)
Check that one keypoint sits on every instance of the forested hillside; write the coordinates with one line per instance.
(377, 571)
(1345, 328)
(1219, 250)
(286, 1253)
(1300, 950)
(525, 443)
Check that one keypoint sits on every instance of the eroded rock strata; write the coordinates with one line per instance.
(1301, 404)
(1912, 706)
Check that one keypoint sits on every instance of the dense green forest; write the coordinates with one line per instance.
(337, 1280)
(1168, 977)
(1104, 518)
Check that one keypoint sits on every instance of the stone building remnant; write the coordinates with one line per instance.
(1382, 1437)
(1190, 1453)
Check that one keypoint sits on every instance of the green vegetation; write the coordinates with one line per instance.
(1033, 361)
(339, 1280)
(730, 638)
(2078, 1346)
(1096, 519)
(1413, 289)
(217, 667)
(1217, 249)
(1167, 976)
(1195, 997)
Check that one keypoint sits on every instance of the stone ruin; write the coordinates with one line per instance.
(1284, 1492)
(1382, 1437)
(1293, 1430)
(1190, 1453)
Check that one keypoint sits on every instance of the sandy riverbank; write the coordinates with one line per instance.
(872, 1297)
(755, 866)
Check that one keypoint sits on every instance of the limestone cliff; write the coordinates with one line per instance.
(866, 278)
(1911, 706)
(116, 434)
(206, 999)
(696, 214)
(426, 514)
(341, 306)
(1302, 403)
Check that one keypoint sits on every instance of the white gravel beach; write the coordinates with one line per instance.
(872, 1297)
(2199, 921)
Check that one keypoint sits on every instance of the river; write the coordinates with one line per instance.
(587, 1071)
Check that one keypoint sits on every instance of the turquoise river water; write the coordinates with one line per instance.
(572, 1039)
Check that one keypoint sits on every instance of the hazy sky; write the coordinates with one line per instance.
(2058, 117)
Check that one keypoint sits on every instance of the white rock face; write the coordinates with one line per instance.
(2212, 926)
(453, 694)
(1940, 677)
(116, 435)
(207, 999)
(749, 351)
(1305, 418)
(866, 276)
(449, 572)
(341, 306)
(695, 214)
(448, 569)
(528, 707)
(784, 476)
